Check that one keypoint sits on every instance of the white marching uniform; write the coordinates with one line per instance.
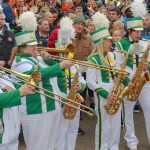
(39, 118)
(68, 129)
(143, 98)
(11, 121)
(107, 133)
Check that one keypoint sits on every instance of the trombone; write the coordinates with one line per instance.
(68, 51)
(88, 64)
(69, 55)
(32, 80)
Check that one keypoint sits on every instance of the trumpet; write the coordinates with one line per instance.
(32, 80)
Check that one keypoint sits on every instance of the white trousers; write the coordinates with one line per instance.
(40, 130)
(9, 146)
(107, 133)
(67, 132)
(144, 99)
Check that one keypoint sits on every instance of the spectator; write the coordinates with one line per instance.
(54, 35)
(42, 34)
(113, 15)
(103, 10)
(119, 25)
(9, 13)
(83, 46)
(29, 4)
(55, 4)
(128, 14)
(89, 26)
(7, 41)
(116, 35)
(146, 26)
(98, 6)
(49, 17)
(78, 9)
(84, 7)
(55, 16)
(70, 13)
(42, 4)
(110, 4)
(68, 5)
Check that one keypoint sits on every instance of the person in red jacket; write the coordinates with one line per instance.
(54, 35)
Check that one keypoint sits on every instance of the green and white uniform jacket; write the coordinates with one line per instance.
(96, 76)
(9, 113)
(125, 44)
(66, 78)
(37, 103)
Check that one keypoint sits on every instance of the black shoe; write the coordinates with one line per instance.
(80, 131)
(136, 109)
(92, 106)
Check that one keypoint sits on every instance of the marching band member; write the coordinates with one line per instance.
(132, 44)
(39, 114)
(9, 111)
(101, 82)
(68, 129)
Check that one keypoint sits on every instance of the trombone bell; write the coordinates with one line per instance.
(68, 51)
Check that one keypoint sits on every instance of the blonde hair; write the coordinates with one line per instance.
(117, 24)
(13, 53)
(102, 8)
(100, 50)
(113, 30)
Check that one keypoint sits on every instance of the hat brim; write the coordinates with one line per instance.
(109, 37)
(32, 43)
(138, 29)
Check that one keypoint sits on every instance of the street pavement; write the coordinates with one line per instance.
(86, 142)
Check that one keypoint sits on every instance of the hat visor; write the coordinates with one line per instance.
(109, 37)
(137, 29)
(32, 43)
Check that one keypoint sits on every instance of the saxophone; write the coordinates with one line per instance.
(69, 113)
(113, 108)
(139, 79)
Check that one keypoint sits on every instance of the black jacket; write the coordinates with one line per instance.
(7, 42)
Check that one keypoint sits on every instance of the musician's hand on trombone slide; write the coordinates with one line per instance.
(46, 56)
(26, 89)
(66, 64)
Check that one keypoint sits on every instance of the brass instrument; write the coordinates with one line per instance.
(32, 80)
(139, 79)
(69, 113)
(113, 108)
(68, 51)
(28, 78)
(69, 55)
